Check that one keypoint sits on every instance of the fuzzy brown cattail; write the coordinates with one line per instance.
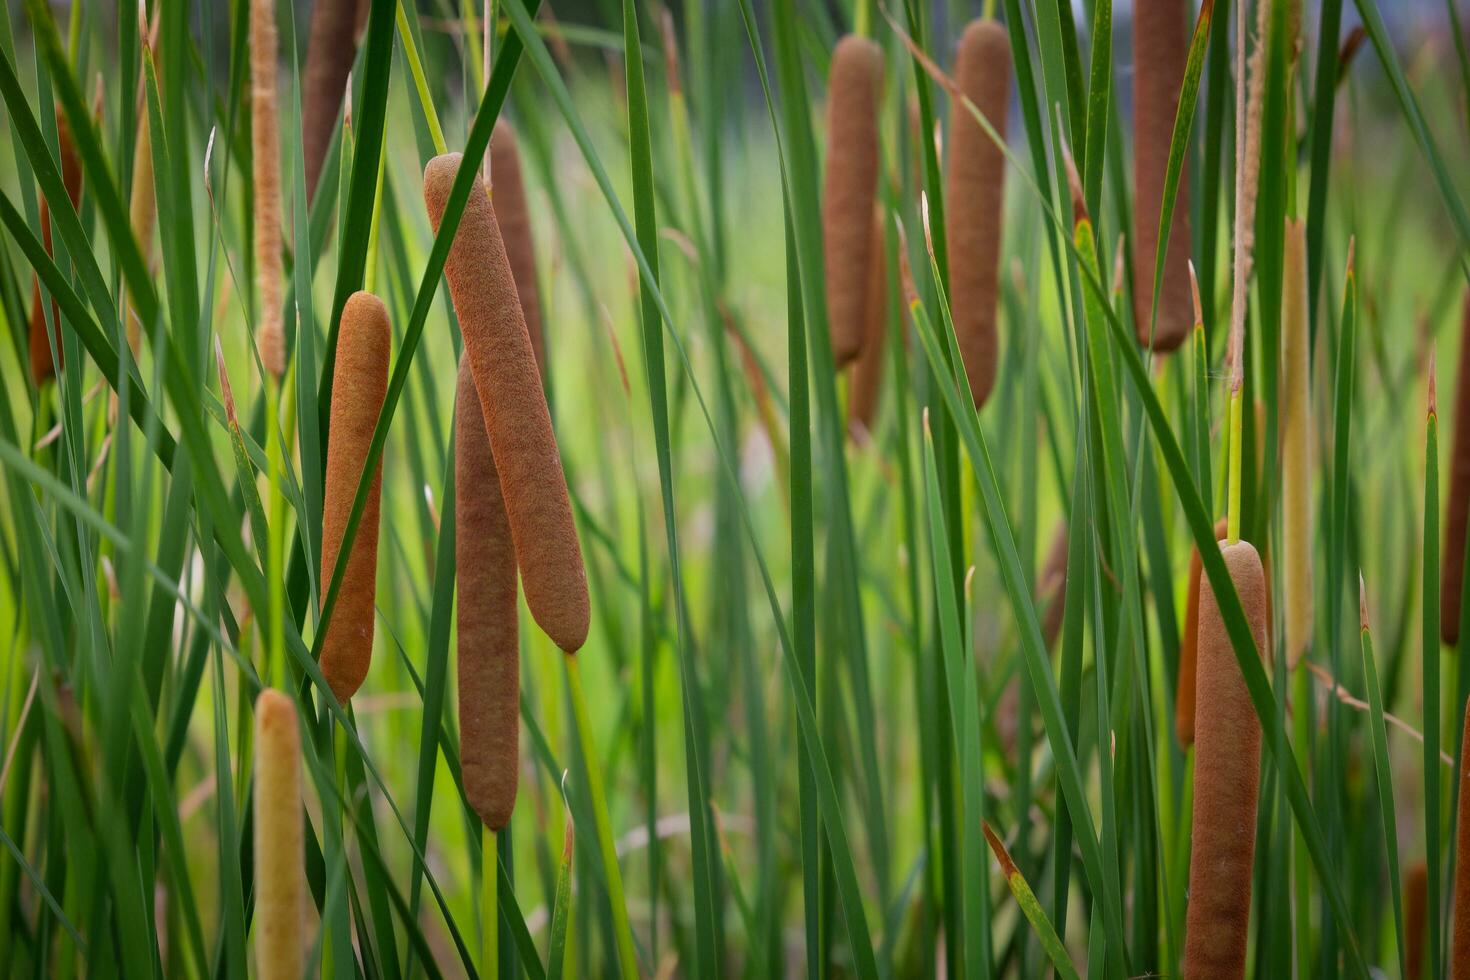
(1416, 919)
(489, 648)
(329, 56)
(280, 854)
(975, 196)
(526, 456)
(42, 366)
(1227, 766)
(508, 194)
(1457, 508)
(265, 162)
(1184, 693)
(1460, 919)
(867, 370)
(849, 188)
(1296, 444)
(359, 385)
(1160, 43)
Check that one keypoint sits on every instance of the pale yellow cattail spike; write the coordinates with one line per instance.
(1296, 443)
(265, 147)
(280, 881)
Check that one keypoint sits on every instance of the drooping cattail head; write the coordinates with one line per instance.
(359, 385)
(867, 370)
(1416, 919)
(266, 162)
(280, 852)
(42, 366)
(508, 194)
(1188, 644)
(849, 187)
(1160, 46)
(516, 416)
(1457, 507)
(1227, 767)
(329, 56)
(1296, 444)
(974, 199)
(1460, 923)
(489, 648)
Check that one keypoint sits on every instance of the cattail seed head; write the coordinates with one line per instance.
(516, 416)
(42, 366)
(508, 195)
(1457, 507)
(1227, 768)
(359, 385)
(280, 853)
(489, 647)
(329, 56)
(266, 162)
(1160, 43)
(867, 370)
(1188, 645)
(1296, 444)
(849, 188)
(1416, 919)
(974, 197)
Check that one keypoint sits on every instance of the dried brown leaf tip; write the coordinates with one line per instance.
(998, 848)
(226, 395)
(1362, 604)
(1433, 384)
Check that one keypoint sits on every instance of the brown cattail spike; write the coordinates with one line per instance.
(1184, 694)
(1160, 40)
(489, 648)
(42, 366)
(975, 198)
(526, 455)
(265, 147)
(329, 56)
(359, 385)
(867, 370)
(508, 194)
(1416, 919)
(1457, 508)
(1226, 769)
(280, 853)
(849, 188)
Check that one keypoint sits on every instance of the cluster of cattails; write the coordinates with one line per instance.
(42, 366)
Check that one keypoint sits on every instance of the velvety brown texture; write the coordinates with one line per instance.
(1188, 642)
(280, 851)
(849, 187)
(499, 350)
(40, 343)
(867, 370)
(359, 384)
(1416, 919)
(329, 55)
(1160, 48)
(1460, 917)
(1451, 576)
(266, 171)
(974, 199)
(508, 194)
(1227, 766)
(489, 648)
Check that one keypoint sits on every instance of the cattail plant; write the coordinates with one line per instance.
(849, 187)
(1460, 922)
(329, 56)
(1227, 767)
(974, 197)
(280, 853)
(265, 160)
(359, 385)
(867, 370)
(1296, 444)
(1160, 45)
(42, 366)
(508, 194)
(1184, 691)
(519, 424)
(1457, 508)
(489, 648)
(1416, 922)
